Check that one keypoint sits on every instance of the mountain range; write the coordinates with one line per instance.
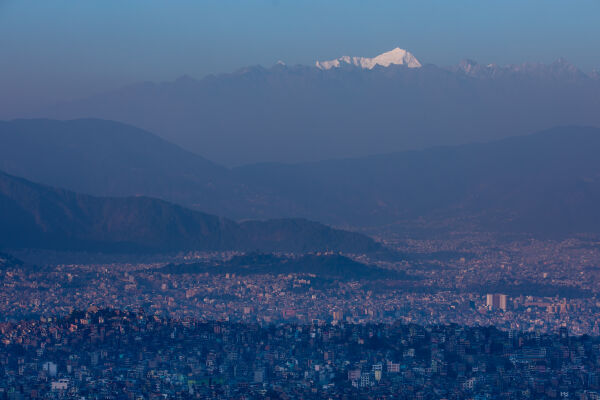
(38, 216)
(547, 183)
(348, 107)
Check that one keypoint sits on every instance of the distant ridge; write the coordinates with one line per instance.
(559, 70)
(545, 184)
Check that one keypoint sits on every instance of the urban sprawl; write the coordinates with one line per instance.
(472, 319)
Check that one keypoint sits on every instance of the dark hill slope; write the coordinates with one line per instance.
(36, 216)
(332, 266)
(7, 261)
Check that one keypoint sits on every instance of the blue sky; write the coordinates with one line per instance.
(68, 48)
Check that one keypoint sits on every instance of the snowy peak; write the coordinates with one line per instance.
(397, 56)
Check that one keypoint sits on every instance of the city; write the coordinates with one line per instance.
(539, 295)
(274, 199)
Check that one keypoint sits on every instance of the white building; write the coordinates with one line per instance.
(61, 384)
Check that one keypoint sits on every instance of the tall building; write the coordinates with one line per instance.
(337, 315)
(503, 299)
(496, 301)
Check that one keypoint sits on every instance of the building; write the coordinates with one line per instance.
(50, 367)
(393, 367)
(337, 315)
(496, 301)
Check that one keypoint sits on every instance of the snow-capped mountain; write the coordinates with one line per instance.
(397, 56)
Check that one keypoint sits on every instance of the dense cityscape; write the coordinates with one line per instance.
(104, 354)
(539, 294)
(472, 318)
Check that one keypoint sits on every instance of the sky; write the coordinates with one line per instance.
(56, 50)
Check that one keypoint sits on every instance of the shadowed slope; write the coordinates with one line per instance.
(36, 216)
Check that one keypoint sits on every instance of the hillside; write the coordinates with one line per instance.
(36, 216)
(544, 184)
(106, 158)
